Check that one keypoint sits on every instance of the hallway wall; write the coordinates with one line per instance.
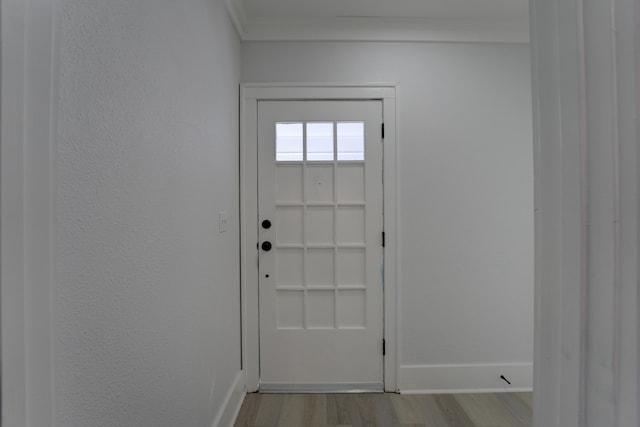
(146, 306)
(466, 197)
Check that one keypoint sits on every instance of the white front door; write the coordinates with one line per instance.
(321, 245)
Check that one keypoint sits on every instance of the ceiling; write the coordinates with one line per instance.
(382, 20)
(467, 9)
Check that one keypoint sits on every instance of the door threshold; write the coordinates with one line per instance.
(323, 388)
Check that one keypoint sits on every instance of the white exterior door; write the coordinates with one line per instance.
(321, 255)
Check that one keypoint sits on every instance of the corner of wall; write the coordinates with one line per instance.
(238, 16)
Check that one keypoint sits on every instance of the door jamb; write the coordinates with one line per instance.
(28, 86)
(250, 94)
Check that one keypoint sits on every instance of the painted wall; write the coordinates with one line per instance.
(146, 303)
(466, 197)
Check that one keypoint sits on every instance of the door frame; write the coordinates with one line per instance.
(250, 95)
(28, 110)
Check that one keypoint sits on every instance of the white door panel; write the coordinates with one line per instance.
(321, 290)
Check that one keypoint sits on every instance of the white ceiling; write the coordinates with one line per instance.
(382, 20)
(449, 9)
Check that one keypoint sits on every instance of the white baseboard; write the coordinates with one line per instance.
(476, 378)
(232, 403)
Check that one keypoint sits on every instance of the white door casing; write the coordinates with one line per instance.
(586, 93)
(321, 257)
(29, 68)
(251, 95)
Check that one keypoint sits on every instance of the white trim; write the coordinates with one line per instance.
(29, 94)
(392, 239)
(14, 401)
(250, 94)
(40, 189)
(232, 403)
(386, 29)
(322, 388)
(559, 216)
(586, 157)
(468, 390)
(465, 378)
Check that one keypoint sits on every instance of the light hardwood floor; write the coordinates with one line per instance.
(386, 410)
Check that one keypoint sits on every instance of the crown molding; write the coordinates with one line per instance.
(385, 29)
(238, 16)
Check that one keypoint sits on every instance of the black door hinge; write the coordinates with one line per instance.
(384, 239)
(384, 347)
(383, 131)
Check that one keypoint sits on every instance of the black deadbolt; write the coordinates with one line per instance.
(266, 224)
(266, 246)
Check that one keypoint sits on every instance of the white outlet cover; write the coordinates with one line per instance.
(223, 222)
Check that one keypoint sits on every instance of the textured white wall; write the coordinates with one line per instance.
(466, 189)
(147, 301)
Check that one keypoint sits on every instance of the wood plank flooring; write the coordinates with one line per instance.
(386, 410)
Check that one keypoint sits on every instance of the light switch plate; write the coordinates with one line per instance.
(223, 221)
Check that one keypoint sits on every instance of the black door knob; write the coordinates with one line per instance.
(266, 246)
(266, 224)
